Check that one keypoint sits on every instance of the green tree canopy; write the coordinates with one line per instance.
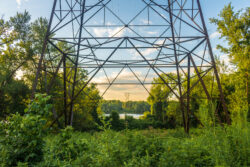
(234, 28)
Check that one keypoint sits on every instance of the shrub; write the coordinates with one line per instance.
(64, 148)
(214, 146)
(115, 121)
(22, 139)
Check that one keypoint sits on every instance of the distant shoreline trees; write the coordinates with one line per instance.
(129, 107)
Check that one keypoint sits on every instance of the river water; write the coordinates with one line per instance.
(122, 116)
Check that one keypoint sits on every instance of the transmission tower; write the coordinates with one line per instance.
(154, 37)
(127, 96)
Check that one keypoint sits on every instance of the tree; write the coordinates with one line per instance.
(20, 48)
(115, 121)
(159, 97)
(234, 28)
(15, 52)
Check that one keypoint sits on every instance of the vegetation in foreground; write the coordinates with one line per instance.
(27, 141)
(149, 148)
(216, 146)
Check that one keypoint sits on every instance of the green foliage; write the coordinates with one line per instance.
(237, 103)
(130, 107)
(13, 98)
(105, 123)
(64, 148)
(160, 95)
(21, 45)
(234, 28)
(15, 52)
(115, 121)
(40, 106)
(158, 148)
(207, 114)
(22, 136)
(140, 124)
(20, 22)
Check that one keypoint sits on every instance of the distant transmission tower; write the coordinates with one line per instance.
(127, 97)
(145, 37)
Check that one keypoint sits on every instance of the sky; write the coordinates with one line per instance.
(42, 8)
(38, 8)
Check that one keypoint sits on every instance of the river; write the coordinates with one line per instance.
(122, 116)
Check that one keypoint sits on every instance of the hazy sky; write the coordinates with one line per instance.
(38, 8)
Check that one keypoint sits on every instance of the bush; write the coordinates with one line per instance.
(157, 148)
(64, 149)
(115, 121)
(22, 139)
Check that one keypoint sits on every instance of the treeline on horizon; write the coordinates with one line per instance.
(129, 107)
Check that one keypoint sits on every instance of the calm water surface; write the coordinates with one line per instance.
(122, 116)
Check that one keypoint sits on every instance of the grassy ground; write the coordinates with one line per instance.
(149, 148)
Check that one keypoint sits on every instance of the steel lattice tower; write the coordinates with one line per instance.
(155, 36)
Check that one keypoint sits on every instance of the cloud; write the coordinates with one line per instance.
(149, 51)
(146, 21)
(125, 77)
(19, 2)
(152, 32)
(109, 32)
(225, 58)
(137, 92)
(214, 35)
(146, 52)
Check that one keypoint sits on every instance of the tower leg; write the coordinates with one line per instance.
(76, 66)
(222, 98)
(177, 68)
(39, 68)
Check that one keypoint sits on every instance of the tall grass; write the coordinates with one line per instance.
(228, 146)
